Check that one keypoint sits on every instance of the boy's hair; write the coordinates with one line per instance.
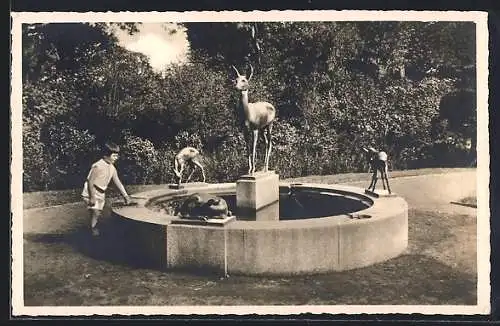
(110, 148)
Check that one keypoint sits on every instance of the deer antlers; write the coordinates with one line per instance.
(239, 75)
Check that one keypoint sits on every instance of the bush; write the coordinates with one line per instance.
(140, 160)
(35, 161)
(163, 170)
(70, 151)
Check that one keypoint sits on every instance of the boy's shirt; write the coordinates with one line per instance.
(103, 173)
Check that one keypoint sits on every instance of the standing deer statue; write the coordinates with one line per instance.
(191, 157)
(259, 117)
(377, 161)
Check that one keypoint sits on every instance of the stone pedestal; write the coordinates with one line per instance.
(270, 212)
(209, 222)
(379, 193)
(258, 193)
(197, 247)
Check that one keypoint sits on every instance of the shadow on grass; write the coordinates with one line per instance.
(405, 280)
(408, 279)
(56, 266)
(113, 245)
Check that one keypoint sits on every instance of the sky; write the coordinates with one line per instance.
(155, 41)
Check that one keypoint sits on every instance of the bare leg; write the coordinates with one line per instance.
(95, 215)
(255, 138)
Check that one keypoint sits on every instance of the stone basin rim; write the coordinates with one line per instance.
(279, 247)
(142, 213)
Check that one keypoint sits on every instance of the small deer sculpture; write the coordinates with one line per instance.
(203, 206)
(188, 156)
(377, 161)
(259, 116)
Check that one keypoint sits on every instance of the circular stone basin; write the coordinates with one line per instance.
(337, 228)
(300, 203)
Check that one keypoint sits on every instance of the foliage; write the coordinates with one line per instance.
(139, 160)
(404, 87)
(36, 162)
(68, 152)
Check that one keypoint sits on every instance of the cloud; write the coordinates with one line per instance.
(161, 49)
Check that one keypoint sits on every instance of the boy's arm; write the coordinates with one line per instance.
(120, 186)
(91, 188)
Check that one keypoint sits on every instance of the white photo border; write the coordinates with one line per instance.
(483, 174)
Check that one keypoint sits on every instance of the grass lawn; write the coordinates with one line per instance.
(439, 267)
(432, 271)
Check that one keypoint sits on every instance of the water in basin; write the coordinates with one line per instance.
(292, 205)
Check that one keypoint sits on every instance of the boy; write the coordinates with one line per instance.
(98, 179)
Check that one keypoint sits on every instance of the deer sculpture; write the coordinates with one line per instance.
(203, 206)
(188, 156)
(259, 117)
(377, 161)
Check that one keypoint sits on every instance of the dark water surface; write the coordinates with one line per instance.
(298, 204)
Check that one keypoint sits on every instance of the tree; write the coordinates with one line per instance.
(336, 86)
(118, 88)
(65, 46)
(349, 76)
(56, 60)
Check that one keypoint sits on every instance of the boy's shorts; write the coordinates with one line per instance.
(99, 201)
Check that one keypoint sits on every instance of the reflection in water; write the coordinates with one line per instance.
(301, 205)
(268, 213)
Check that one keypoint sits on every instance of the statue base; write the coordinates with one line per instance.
(379, 193)
(208, 222)
(255, 192)
(267, 213)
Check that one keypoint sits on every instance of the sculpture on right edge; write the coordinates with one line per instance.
(377, 161)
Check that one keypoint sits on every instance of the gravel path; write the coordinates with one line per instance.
(434, 190)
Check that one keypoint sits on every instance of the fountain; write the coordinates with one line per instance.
(277, 228)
